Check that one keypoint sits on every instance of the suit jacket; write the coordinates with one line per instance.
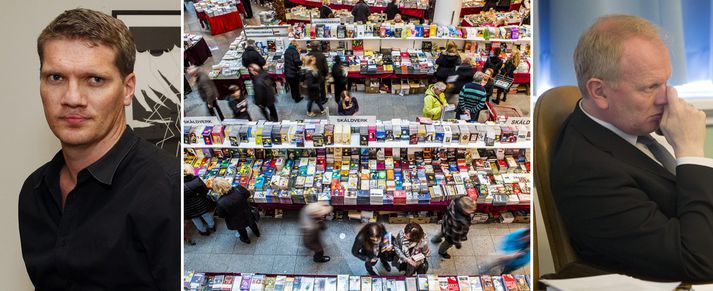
(625, 212)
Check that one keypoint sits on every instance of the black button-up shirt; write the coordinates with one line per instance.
(120, 226)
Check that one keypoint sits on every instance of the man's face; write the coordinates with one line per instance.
(82, 91)
(636, 101)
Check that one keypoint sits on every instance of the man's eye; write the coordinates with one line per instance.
(96, 80)
(54, 77)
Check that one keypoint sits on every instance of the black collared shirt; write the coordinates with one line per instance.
(120, 226)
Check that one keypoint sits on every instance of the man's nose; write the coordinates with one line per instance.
(73, 97)
(661, 95)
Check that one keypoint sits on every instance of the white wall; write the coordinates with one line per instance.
(28, 143)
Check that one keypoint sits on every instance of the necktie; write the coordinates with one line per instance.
(660, 153)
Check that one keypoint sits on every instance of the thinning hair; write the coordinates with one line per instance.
(600, 48)
(95, 28)
(478, 77)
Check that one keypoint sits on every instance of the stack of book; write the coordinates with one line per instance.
(370, 176)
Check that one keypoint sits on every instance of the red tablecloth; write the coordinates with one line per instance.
(521, 78)
(222, 23)
(415, 12)
(197, 53)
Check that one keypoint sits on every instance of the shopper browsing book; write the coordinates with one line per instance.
(105, 212)
(234, 207)
(472, 98)
(434, 103)
(196, 202)
(348, 104)
(314, 80)
(373, 243)
(411, 247)
(628, 204)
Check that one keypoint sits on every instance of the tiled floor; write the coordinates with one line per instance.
(279, 250)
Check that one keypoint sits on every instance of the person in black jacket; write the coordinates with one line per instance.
(252, 56)
(455, 225)
(392, 9)
(494, 62)
(371, 244)
(465, 72)
(292, 70)
(447, 62)
(361, 12)
(313, 80)
(489, 4)
(323, 67)
(207, 90)
(196, 202)
(508, 70)
(325, 11)
(233, 206)
(339, 75)
(264, 92)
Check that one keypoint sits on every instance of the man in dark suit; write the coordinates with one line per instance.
(628, 204)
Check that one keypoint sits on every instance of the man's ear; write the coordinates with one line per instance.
(129, 88)
(596, 88)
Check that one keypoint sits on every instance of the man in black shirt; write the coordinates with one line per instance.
(105, 212)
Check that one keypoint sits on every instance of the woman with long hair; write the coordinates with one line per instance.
(508, 70)
(447, 62)
(371, 246)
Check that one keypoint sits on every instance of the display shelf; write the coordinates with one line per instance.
(355, 144)
(344, 282)
(432, 206)
(523, 40)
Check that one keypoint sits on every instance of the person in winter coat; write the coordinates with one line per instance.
(233, 206)
(434, 103)
(508, 70)
(238, 103)
(252, 56)
(409, 245)
(494, 62)
(323, 67)
(361, 12)
(264, 92)
(447, 62)
(489, 4)
(373, 243)
(455, 225)
(471, 99)
(312, 225)
(339, 75)
(207, 90)
(392, 9)
(196, 202)
(465, 72)
(313, 80)
(292, 70)
(325, 11)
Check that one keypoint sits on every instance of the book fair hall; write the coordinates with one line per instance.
(357, 145)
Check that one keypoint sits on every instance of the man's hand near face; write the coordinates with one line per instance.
(683, 125)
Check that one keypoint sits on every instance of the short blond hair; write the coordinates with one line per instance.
(188, 170)
(221, 186)
(451, 47)
(599, 49)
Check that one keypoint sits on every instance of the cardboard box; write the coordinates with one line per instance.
(421, 220)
